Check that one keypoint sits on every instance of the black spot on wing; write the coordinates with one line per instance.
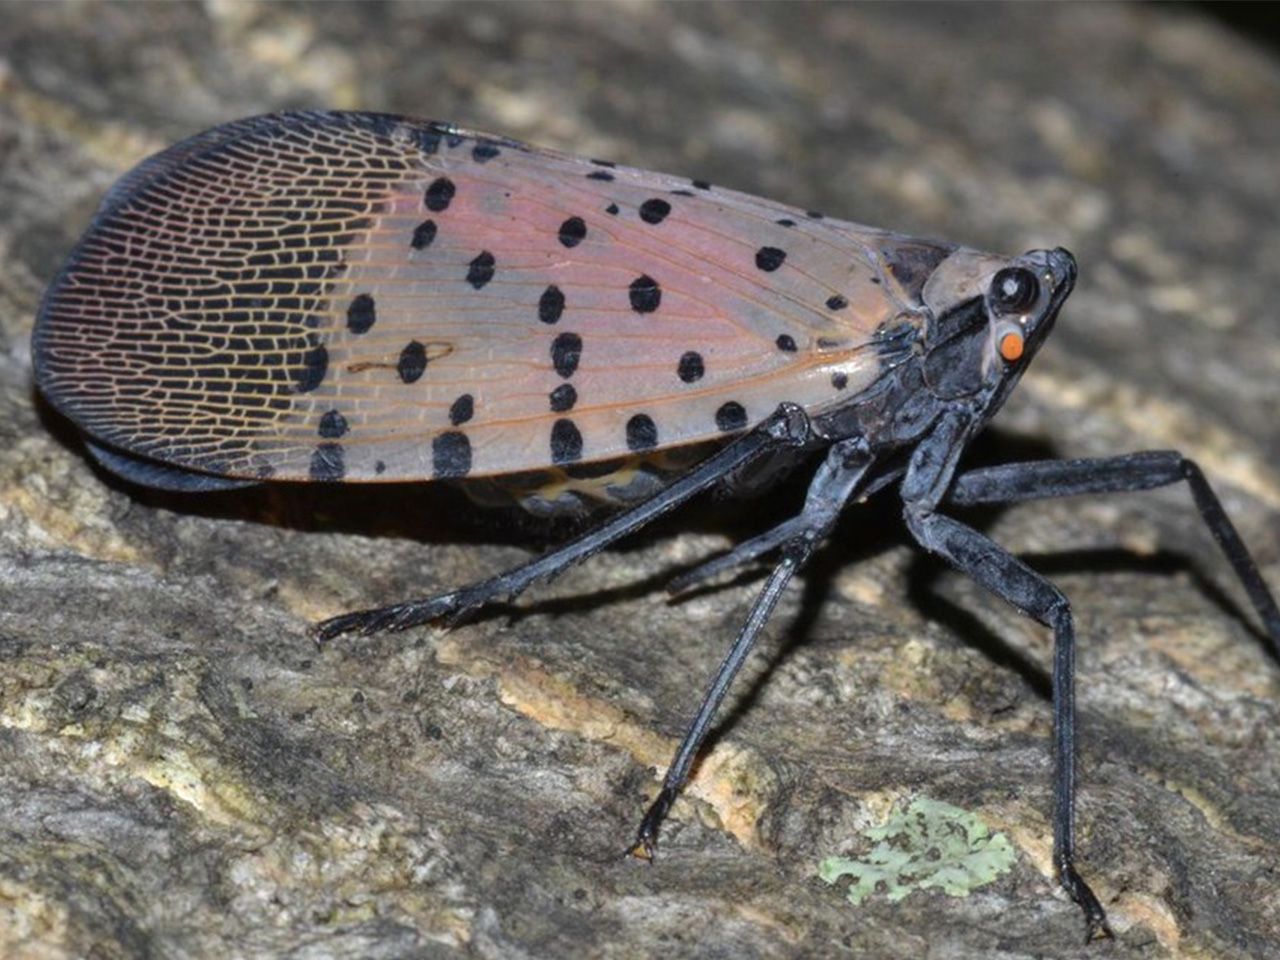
(439, 194)
(426, 139)
(572, 232)
(566, 442)
(450, 455)
(332, 425)
(654, 211)
(566, 351)
(327, 463)
(690, 368)
(770, 259)
(731, 416)
(413, 362)
(362, 314)
(642, 433)
(551, 304)
(315, 364)
(462, 409)
(563, 398)
(423, 234)
(645, 294)
(480, 270)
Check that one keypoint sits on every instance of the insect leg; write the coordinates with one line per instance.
(930, 475)
(1123, 474)
(757, 546)
(786, 426)
(833, 484)
(1017, 584)
(743, 553)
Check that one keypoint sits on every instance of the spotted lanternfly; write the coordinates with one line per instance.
(359, 297)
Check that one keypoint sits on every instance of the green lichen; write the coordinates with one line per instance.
(926, 845)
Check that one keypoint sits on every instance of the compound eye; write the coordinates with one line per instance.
(1014, 290)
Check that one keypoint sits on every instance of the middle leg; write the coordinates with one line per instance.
(1017, 584)
(835, 481)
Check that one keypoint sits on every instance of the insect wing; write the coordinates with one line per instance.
(353, 296)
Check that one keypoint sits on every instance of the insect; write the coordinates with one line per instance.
(359, 297)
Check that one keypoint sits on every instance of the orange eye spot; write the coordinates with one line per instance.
(1011, 346)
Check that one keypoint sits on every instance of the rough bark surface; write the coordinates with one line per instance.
(182, 774)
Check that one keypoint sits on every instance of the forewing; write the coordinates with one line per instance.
(353, 296)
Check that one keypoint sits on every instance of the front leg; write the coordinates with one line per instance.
(832, 486)
(930, 475)
(1130, 472)
(1014, 582)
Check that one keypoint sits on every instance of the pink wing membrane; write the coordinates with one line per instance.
(335, 296)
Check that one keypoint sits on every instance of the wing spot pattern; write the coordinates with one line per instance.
(551, 304)
(413, 362)
(730, 417)
(566, 442)
(642, 433)
(480, 270)
(423, 234)
(462, 410)
(654, 211)
(332, 425)
(691, 367)
(770, 259)
(439, 194)
(572, 232)
(566, 352)
(450, 455)
(563, 398)
(362, 314)
(328, 463)
(315, 364)
(645, 294)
